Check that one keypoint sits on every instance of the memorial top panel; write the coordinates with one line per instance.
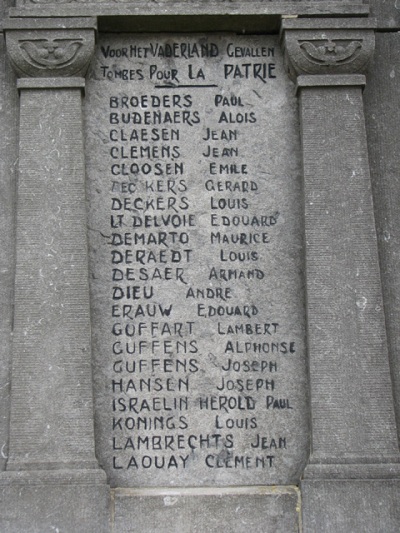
(255, 15)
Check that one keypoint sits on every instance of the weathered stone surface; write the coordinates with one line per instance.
(216, 148)
(383, 116)
(255, 510)
(354, 506)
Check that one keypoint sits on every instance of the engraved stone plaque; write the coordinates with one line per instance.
(195, 235)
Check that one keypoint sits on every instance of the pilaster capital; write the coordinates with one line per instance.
(327, 46)
(50, 48)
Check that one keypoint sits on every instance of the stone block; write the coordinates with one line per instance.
(350, 506)
(251, 510)
(54, 508)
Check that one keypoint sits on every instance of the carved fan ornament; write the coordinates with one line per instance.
(327, 51)
(331, 52)
(50, 53)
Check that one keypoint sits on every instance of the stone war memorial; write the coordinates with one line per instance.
(200, 266)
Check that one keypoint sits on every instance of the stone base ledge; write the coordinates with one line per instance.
(51, 83)
(52, 477)
(353, 471)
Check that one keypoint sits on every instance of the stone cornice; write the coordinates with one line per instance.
(327, 46)
(248, 16)
(50, 48)
(295, 7)
(242, 16)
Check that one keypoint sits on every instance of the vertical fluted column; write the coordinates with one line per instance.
(51, 426)
(354, 433)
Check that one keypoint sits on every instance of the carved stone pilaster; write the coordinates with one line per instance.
(354, 461)
(51, 446)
